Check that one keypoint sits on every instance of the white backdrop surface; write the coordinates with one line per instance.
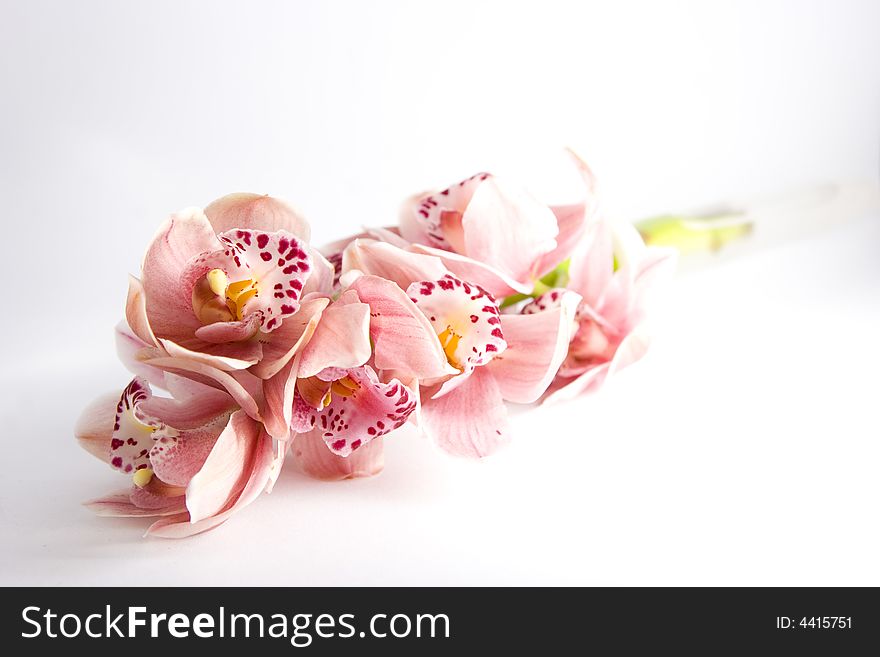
(743, 450)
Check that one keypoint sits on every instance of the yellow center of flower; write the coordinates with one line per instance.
(449, 338)
(142, 477)
(215, 299)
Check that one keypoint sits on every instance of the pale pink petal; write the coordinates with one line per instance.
(565, 389)
(592, 263)
(403, 337)
(184, 236)
(225, 472)
(469, 421)
(572, 219)
(312, 457)
(483, 274)
(136, 312)
(94, 428)
(186, 366)
(361, 409)
(388, 234)
(508, 229)
(256, 212)
(221, 332)
(261, 470)
(189, 411)
(537, 344)
(119, 505)
(288, 339)
(158, 496)
(228, 357)
(323, 275)
(131, 351)
(341, 339)
(465, 318)
(176, 459)
(278, 393)
(391, 263)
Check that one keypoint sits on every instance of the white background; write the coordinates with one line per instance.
(743, 450)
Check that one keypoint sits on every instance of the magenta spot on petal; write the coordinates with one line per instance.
(262, 240)
(266, 256)
(338, 444)
(355, 444)
(117, 462)
(474, 319)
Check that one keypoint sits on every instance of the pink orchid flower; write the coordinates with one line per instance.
(611, 319)
(447, 336)
(493, 234)
(193, 459)
(218, 285)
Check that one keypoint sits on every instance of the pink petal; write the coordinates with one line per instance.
(391, 263)
(136, 312)
(288, 339)
(537, 344)
(278, 392)
(256, 212)
(572, 219)
(567, 389)
(242, 395)
(221, 332)
(119, 505)
(184, 236)
(189, 411)
(94, 428)
(229, 356)
(176, 460)
(592, 263)
(342, 338)
(508, 229)
(351, 420)
(225, 472)
(323, 278)
(404, 339)
(465, 318)
(469, 421)
(481, 273)
(311, 455)
(260, 472)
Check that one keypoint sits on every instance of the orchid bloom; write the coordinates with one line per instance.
(192, 460)
(332, 399)
(218, 285)
(611, 330)
(447, 335)
(491, 233)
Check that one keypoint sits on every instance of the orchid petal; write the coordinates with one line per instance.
(391, 263)
(241, 394)
(312, 457)
(176, 460)
(469, 421)
(263, 465)
(119, 505)
(341, 339)
(222, 332)
(94, 428)
(224, 473)
(183, 237)
(136, 312)
(256, 212)
(289, 338)
(404, 339)
(361, 409)
(537, 344)
(592, 263)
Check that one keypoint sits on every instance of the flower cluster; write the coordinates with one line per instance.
(263, 345)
